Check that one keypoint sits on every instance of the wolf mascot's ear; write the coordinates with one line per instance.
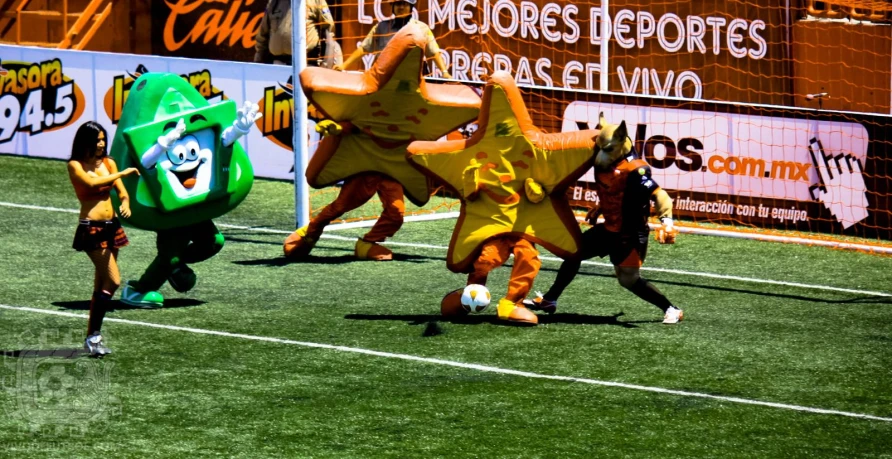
(612, 143)
(622, 135)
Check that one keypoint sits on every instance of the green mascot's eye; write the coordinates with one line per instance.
(192, 149)
(177, 154)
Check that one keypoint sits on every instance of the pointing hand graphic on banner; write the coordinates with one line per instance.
(841, 187)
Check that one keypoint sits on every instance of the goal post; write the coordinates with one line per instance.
(300, 138)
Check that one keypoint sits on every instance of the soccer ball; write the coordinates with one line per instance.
(475, 298)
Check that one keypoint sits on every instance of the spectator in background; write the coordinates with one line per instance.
(383, 31)
(333, 54)
(273, 40)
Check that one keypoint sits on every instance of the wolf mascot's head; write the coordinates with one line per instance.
(612, 144)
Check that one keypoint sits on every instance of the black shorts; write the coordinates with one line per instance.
(624, 249)
(99, 234)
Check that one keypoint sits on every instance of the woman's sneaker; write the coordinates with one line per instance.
(96, 346)
(541, 304)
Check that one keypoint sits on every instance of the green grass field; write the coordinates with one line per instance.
(793, 343)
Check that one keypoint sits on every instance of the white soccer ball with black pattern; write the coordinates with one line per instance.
(475, 298)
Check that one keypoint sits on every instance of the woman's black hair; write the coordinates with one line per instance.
(85, 140)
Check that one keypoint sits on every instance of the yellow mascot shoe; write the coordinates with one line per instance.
(515, 313)
(372, 251)
(451, 306)
(298, 245)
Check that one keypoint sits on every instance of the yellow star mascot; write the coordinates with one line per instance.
(512, 180)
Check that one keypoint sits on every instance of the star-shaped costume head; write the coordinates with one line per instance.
(387, 106)
(198, 177)
(511, 176)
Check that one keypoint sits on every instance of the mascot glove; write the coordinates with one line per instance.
(535, 192)
(246, 117)
(471, 181)
(168, 139)
(592, 216)
(328, 127)
(666, 233)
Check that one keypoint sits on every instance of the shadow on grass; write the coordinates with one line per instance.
(308, 260)
(115, 305)
(476, 319)
(313, 259)
(42, 353)
(862, 299)
(324, 260)
(231, 238)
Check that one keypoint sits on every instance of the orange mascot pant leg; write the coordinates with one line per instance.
(496, 252)
(391, 219)
(526, 268)
(355, 192)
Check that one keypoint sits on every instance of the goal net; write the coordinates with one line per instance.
(770, 116)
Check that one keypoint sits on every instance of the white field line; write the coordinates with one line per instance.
(785, 239)
(605, 265)
(359, 224)
(682, 229)
(409, 218)
(553, 259)
(468, 366)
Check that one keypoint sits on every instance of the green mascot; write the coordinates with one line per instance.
(192, 169)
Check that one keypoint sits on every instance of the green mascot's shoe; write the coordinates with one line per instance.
(149, 300)
(182, 279)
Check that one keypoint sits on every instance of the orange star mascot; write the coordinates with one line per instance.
(371, 118)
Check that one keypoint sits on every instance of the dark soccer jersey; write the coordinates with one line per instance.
(625, 192)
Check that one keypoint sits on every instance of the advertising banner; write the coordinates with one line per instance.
(733, 50)
(42, 96)
(206, 29)
(46, 94)
(760, 165)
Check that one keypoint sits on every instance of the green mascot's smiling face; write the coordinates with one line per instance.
(191, 171)
(196, 177)
(187, 167)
